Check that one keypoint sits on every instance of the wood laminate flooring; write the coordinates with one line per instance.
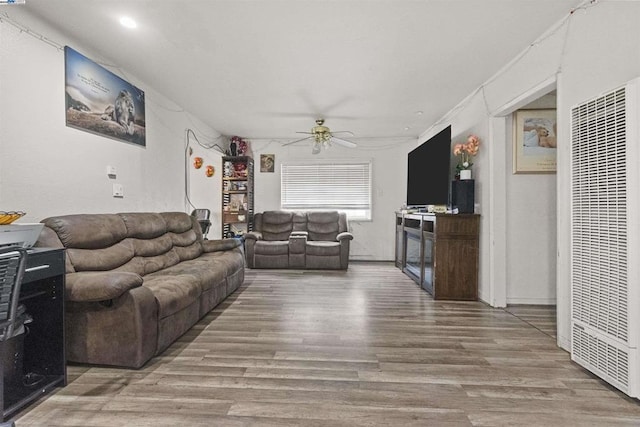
(364, 347)
(541, 317)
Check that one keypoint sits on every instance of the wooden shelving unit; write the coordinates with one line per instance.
(237, 195)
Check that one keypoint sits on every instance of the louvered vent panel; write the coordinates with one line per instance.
(599, 218)
(608, 361)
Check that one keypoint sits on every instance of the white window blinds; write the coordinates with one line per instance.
(321, 186)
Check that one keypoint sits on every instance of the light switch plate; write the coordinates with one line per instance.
(118, 190)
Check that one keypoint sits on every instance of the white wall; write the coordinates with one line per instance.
(595, 50)
(205, 192)
(531, 228)
(373, 240)
(531, 237)
(49, 169)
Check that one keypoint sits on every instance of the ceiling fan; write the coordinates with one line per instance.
(322, 137)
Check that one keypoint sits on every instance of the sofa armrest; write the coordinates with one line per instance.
(220, 245)
(253, 235)
(344, 236)
(250, 240)
(90, 286)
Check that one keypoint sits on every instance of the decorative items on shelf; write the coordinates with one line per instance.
(228, 169)
(240, 170)
(465, 152)
(234, 170)
(238, 146)
(237, 194)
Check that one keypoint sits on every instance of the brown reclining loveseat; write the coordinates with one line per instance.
(306, 240)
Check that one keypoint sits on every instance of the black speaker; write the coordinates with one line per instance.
(463, 195)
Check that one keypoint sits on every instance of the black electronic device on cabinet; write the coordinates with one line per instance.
(463, 195)
(428, 171)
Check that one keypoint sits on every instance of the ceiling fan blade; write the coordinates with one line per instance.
(343, 142)
(307, 133)
(297, 140)
(343, 131)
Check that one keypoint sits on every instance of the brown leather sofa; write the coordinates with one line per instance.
(135, 282)
(311, 240)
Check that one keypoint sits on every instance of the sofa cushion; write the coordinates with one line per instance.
(272, 248)
(177, 222)
(87, 231)
(276, 225)
(189, 252)
(323, 225)
(206, 274)
(152, 247)
(101, 259)
(144, 225)
(229, 260)
(172, 292)
(157, 263)
(299, 221)
(323, 248)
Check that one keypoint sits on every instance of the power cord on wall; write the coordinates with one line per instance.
(563, 23)
(189, 133)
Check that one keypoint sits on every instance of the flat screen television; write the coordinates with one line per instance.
(428, 171)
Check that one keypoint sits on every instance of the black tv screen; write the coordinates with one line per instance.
(428, 171)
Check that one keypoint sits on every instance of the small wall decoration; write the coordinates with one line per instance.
(238, 147)
(210, 171)
(99, 102)
(197, 162)
(267, 162)
(535, 141)
(233, 146)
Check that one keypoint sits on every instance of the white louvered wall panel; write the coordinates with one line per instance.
(604, 237)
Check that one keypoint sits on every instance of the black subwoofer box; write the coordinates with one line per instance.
(463, 195)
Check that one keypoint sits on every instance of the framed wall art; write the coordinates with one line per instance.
(267, 162)
(100, 102)
(535, 141)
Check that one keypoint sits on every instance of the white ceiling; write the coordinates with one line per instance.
(268, 68)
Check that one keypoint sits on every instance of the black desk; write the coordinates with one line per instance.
(44, 363)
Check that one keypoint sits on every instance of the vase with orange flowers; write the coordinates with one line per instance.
(465, 152)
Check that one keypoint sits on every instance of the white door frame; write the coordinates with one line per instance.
(500, 135)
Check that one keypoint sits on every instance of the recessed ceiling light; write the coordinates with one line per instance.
(407, 128)
(419, 113)
(128, 22)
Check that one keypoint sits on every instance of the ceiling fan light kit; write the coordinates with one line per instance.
(322, 138)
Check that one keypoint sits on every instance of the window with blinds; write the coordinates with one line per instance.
(345, 187)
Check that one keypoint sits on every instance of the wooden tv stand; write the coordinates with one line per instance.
(440, 253)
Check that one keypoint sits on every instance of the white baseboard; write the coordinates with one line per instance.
(532, 301)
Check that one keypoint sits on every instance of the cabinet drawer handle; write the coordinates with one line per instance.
(39, 267)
